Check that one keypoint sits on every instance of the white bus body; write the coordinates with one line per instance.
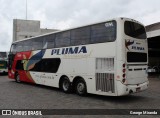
(109, 68)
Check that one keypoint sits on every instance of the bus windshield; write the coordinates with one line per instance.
(134, 30)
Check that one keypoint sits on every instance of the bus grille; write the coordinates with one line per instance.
(105, 82)
(104, 64)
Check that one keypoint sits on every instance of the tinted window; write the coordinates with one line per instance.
(136, 57)
(36, 65)
(134, 30)
(47, 65)
(37, 43)
(50, 65)
(80, 36)
(19, 65)
(13, 48)
(104, 32)
(19, 47)
(27, 45)
(49, 41)
(63, 39)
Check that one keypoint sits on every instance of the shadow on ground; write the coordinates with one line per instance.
(3, 74)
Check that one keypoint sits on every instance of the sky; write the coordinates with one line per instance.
(63, 14)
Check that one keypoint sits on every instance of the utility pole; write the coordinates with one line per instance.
(26, 9)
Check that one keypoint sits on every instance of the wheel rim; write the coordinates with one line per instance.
(80, 88)
(65, 85)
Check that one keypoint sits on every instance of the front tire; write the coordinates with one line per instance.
(81, 88)
(66, 85)
(17, 78)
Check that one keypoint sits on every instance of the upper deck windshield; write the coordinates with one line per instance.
(134, 30)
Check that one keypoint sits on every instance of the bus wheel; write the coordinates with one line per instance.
(80, 87)
(17, 78)
(66, 85)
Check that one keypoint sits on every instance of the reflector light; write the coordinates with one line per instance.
(124, 65)
(118, 76)
(123, 80)
(124, 70)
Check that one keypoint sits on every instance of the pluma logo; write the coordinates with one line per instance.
(70, 50)
(128, 43)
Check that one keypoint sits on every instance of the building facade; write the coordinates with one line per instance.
(153, 36)
(28, 28)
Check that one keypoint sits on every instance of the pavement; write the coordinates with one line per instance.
(29, 96)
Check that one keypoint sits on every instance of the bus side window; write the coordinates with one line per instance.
(50, 65)
(47, 65)
(36, 66)
(80, 36)
(27, 45)
(13, 48)
(103, 32)
(49, 41)
(19, 65)
(19, 46)
(37, 43)
(62, 39)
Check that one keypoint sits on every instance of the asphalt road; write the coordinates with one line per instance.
(27, 96)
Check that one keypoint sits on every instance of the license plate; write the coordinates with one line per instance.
(1, 64)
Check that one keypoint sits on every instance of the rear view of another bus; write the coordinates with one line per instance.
(133, 59)
(3, 62)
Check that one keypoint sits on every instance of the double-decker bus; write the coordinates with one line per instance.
(106, 58)
(3, 62)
